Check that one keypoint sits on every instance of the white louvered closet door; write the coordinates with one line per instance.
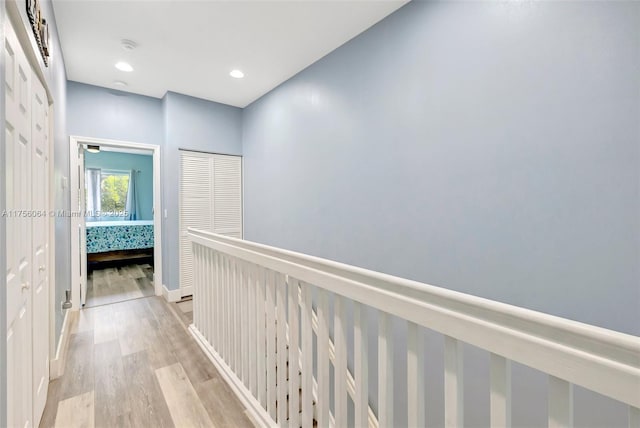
(210, 199)
(227, 195)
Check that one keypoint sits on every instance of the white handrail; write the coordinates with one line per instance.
(604, 361)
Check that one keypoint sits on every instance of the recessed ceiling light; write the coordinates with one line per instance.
(120, 83)
(124, 66)
(236, 74)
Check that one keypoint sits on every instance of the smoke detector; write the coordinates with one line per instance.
(128, 45)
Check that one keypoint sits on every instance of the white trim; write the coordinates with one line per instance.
(53, 305)
(56, 367)
(77, 222)
(186, 291)
(171, 295)
(595, 358)
(254, 409)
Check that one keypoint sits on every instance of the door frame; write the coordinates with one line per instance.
(78, 279)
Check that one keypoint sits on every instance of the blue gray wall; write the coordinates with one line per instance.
(193, 124)
(487, 147)
(143, 164)
(177, 121)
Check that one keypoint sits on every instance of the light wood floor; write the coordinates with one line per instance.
(114, 285)
(133, 364)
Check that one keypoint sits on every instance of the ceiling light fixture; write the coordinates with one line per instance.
(124, 66)
(93, 149)
(237, 74)
(128, 45)
(120, 83)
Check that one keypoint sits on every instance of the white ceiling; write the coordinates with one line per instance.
(191, 46)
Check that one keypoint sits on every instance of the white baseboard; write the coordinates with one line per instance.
(254, 409)
(56, 367)
(171, 295)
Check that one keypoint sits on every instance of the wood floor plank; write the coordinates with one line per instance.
(148, 406)
(111, 384)
(114, 285)
(84, 323)
(157, 345)
(77, 412)
(104, 327)
(184, 404)
(223, 408)
(122, 373)
(79, 368)
(186, 306)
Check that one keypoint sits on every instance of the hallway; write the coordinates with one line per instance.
(133, 364)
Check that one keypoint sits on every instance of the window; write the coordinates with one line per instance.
(114, 186)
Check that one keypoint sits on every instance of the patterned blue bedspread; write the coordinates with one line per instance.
(119, 235)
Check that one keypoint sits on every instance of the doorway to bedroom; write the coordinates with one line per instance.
(115, 246)
(119, 224)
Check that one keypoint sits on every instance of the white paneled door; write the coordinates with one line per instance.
(210, 199)
(40, 247)
(27, 200)
(19, 255)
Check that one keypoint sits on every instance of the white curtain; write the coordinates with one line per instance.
(133, 200)
(93, 179)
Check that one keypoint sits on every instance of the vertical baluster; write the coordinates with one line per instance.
(294, 354)
(385, 370)
(200, 293)
(251, 328)
(205, 305)
(361, 360)
(281, 341)
(211, 302)
(214, 300)
(453, 383)
(560, 403)
(500, 398)
(271, 345)
(227, 312)
(415, 375)
(323, 359)
(229, 319)
(234, 309)
(634, 417)
(307, 357)
(197, 289)
(218, 306)
(240, 318)
(236, 319)
(340, 372)
(244, 316)
(221, 289)
(261, 336)
(196, 285)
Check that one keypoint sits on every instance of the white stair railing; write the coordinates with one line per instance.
(254, 316)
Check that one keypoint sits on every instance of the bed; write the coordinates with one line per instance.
(110, 236)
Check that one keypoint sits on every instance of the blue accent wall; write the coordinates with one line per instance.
(127, 162)
(487, 147)
(173, 122)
